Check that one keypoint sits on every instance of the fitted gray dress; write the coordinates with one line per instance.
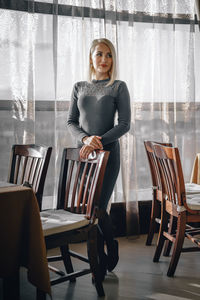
(92, 112)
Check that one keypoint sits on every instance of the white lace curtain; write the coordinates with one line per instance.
(44, 51)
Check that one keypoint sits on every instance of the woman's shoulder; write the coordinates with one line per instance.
(119, 85)
(80, 84)
(119, 82)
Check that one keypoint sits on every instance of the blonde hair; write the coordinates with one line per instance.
(113, 71)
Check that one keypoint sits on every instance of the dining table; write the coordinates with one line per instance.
(22, 242)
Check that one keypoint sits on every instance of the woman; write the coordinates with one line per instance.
(91, 121)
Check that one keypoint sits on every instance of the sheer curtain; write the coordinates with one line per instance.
(159, 60)
(44, 51)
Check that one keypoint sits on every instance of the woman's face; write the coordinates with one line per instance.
(101, 60)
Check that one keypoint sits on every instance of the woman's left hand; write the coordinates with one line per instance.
(85, 151)
(93, 141)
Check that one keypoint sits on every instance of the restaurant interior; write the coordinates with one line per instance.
(155, 204)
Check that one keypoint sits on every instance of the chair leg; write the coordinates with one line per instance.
(180, 235)
(161, 238)
(93, 260)
(155, 210)
(171, 230)
(67, 260)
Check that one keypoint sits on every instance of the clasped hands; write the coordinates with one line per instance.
(91, 143)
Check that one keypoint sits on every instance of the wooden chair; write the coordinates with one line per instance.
(29, 164)
(191, 189)
(156, 189)
(176, 204)
(75, 218)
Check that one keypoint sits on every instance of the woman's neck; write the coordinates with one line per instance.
(101, 76)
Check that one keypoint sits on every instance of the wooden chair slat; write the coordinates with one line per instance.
(34, 170)
(69, 178)
(30, 169)
(24, 169)
(16, 171)
(81, 189)
(37, 172)
(87, 186)
(75, 187)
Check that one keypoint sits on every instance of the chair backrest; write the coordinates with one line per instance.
(81, 181)
(173, 185)
(29, 163)
(155, 176)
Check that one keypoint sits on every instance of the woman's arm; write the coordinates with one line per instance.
(73, 117)
(124, 116)
(89, 143)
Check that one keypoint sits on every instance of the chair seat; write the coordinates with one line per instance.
(56, 221)
(193, 202)
(193, 195)
(192, 188)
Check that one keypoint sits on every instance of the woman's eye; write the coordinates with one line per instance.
(99, 54)
(110, 55)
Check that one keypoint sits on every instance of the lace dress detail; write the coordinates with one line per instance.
(98, 88)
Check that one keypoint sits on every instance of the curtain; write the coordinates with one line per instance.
(44, 51)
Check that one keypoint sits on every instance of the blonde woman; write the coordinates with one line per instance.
(91, 118)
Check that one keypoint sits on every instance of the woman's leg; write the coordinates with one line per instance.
(105, 225)
(106, 235)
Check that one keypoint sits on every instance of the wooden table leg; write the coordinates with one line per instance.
(11, 289)
(40, 295)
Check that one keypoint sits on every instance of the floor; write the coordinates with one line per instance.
(135, 277)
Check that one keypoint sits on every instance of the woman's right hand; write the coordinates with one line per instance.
(93, 141)
(85, 151)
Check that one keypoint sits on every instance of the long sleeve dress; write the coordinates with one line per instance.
(92, 112)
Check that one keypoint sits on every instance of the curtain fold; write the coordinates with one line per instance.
(44, 51)
(197, 9)
(18, 70)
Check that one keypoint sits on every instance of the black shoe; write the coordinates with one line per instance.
(113, 258)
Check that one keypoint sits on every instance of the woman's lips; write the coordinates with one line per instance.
(103, 65)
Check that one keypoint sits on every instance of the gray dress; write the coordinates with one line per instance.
(92, 112)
